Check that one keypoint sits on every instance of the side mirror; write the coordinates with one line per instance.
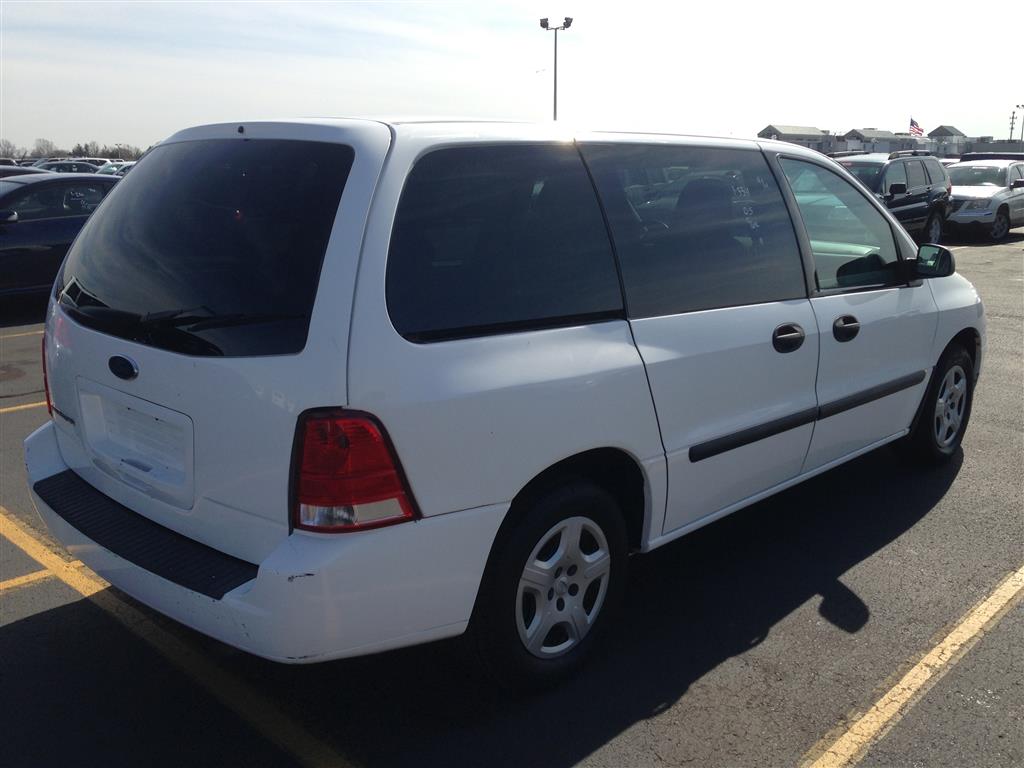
(1017, 184)
(934, 261)
(897, 188)
(8, 217)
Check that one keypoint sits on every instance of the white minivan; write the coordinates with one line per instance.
(328, 387)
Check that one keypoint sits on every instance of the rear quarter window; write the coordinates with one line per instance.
(495, 239)
(936, 172)
(915, 174)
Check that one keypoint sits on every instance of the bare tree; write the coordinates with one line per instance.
(9, 149)
(44, 148)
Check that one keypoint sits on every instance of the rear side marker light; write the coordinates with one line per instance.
(346, 476)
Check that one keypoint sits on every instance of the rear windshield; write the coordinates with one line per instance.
(869, 174)
(210, 247)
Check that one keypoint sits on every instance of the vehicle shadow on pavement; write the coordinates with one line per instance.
(690, 606)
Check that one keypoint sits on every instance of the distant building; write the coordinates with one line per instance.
(945, 141)
(875, 140)
(946, 132)
(950, 141)
(804, 135)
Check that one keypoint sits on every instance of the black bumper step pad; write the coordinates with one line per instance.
(142, 542)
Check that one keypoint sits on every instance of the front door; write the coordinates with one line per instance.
(875, 328)
(718, 307)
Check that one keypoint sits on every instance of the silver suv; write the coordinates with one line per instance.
(988, 193)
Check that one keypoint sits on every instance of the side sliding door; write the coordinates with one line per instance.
(717, 301)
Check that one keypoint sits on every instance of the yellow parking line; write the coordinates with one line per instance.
(25, 407)
(21, 581)
(851, 746)
(252, 706)
(17, 335)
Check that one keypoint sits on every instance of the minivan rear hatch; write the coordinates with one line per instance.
(202, 308)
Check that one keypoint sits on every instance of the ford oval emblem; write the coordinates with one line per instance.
(123, 367)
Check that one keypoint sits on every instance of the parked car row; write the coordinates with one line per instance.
(69, 165)
(40, 215)
(982, 192)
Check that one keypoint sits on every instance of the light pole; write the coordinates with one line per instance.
(1020, 106)
(566, 23)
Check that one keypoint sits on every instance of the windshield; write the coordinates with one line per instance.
(869, 174)
(210, 247)
(977, 176)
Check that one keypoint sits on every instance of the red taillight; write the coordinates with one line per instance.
(46, 381)
(346, 475)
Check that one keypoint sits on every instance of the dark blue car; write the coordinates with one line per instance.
(39, 218)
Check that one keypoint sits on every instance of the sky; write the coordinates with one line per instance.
(136, 72)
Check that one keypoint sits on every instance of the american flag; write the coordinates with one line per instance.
(915, 129)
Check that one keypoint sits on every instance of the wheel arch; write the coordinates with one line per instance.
(613, 469)
(970, 339)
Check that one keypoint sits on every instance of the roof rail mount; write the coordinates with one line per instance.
(908, 153)
(848, 153)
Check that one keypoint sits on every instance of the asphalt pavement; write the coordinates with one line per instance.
(757, 641)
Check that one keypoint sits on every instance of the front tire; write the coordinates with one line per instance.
(1000, 227)
(946, 408)
(551, 589)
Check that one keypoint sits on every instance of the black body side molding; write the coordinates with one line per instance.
(735, 440)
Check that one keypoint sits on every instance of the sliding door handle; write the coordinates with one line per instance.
(845, 328)
(788, 337)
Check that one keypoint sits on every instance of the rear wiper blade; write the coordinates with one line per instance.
(242, 318)
(181, 316)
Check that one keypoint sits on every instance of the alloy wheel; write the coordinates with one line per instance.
(949, 406)
(563, 587)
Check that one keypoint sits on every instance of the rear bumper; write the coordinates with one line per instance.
(316, 596)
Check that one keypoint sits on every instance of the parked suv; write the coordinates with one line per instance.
(912, 184)
(988, 193)
(325, 388)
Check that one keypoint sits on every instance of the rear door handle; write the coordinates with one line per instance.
(845, 328)
(788, 337)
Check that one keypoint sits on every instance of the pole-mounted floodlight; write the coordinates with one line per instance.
(566, 23)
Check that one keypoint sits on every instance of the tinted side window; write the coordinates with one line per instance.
(852, 243)
(696, 227)
(499, 238)
(936, 172)
(896, 173)
(915, 174)
(57, 201)
(82, 199)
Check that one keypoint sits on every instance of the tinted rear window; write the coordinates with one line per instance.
(210, 247)
(492, 239)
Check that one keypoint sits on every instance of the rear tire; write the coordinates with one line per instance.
(552, 588)
(946, 409)
(933, 229)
